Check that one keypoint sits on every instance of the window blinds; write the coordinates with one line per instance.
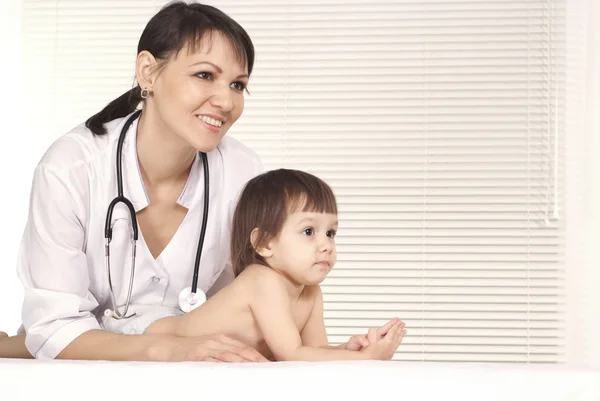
(437, 123)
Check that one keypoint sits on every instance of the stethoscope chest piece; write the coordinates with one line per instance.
(189, 301)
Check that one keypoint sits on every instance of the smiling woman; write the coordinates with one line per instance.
(181, 89)
(193, 64)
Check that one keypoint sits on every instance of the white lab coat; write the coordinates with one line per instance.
(61, 261)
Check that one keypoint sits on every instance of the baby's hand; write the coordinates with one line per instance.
(356, 343)
(384, 347)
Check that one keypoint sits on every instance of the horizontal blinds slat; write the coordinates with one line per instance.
(441, 207)
(490, 190)
(536, 21)
(432, 281)
(485, 345)
(499, 357)
(297, 4)
(320, 11)
(424, 300)
(381, 275)
(448, 256)
(422, 227)
(387, 89)
(434, 253)
(447, 215)
(471, 239)
(470, 336)
(450, 315)
(423, 266)
(524, 289)
(359, 325)
(477, 342)
(531, 308)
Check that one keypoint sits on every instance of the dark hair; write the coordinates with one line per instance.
(177, 24)
(265, 203)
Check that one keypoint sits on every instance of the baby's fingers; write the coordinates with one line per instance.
(392, 334)
(383, 330)
(372, 336)
(399, 336)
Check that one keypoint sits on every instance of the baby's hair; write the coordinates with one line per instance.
(265, 203)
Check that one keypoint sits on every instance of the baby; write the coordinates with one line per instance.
(283, 247)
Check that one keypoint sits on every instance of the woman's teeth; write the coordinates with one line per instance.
(211, 121)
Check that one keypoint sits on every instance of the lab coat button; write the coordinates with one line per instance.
(156, 279)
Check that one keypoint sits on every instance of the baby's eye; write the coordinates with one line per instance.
(308, 231)
(331, 233)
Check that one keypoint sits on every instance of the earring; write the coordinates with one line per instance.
(144, 93)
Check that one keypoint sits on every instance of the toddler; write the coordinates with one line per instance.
(283, 247)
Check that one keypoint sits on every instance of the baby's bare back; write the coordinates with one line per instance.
(228, 312)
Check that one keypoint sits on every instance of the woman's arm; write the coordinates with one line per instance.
(52, 264)
(90, 345)
(13, 347)
(101, 345)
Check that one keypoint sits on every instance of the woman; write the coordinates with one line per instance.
(192, 68)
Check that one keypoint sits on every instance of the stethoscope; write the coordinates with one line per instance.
(189, 298)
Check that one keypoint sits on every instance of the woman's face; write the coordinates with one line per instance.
(198, 95)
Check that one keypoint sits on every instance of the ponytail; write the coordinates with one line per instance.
(120, 107)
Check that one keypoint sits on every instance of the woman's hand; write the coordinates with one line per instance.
(213, 348)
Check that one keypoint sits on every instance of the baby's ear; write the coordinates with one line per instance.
(264, 251)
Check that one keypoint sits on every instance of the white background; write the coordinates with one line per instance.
(20, 156)
(16, 162)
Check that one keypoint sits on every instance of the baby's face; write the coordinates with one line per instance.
(305, 249)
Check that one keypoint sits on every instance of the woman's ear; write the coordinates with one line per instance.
(145, 67)
(264, 251)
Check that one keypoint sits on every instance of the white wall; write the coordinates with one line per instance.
(583, 143)
(18, 155)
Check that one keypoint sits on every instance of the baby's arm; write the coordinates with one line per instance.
(270, 305)
(314, 334)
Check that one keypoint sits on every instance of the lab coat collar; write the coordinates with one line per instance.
(133, 183)
(189, 191)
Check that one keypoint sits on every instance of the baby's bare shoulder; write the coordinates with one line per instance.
(256, 271)
(258, 276)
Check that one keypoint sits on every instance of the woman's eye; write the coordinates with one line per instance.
(308, 231)
(204, 75)
(238, 86)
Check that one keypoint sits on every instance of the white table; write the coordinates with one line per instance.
(285, 381)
